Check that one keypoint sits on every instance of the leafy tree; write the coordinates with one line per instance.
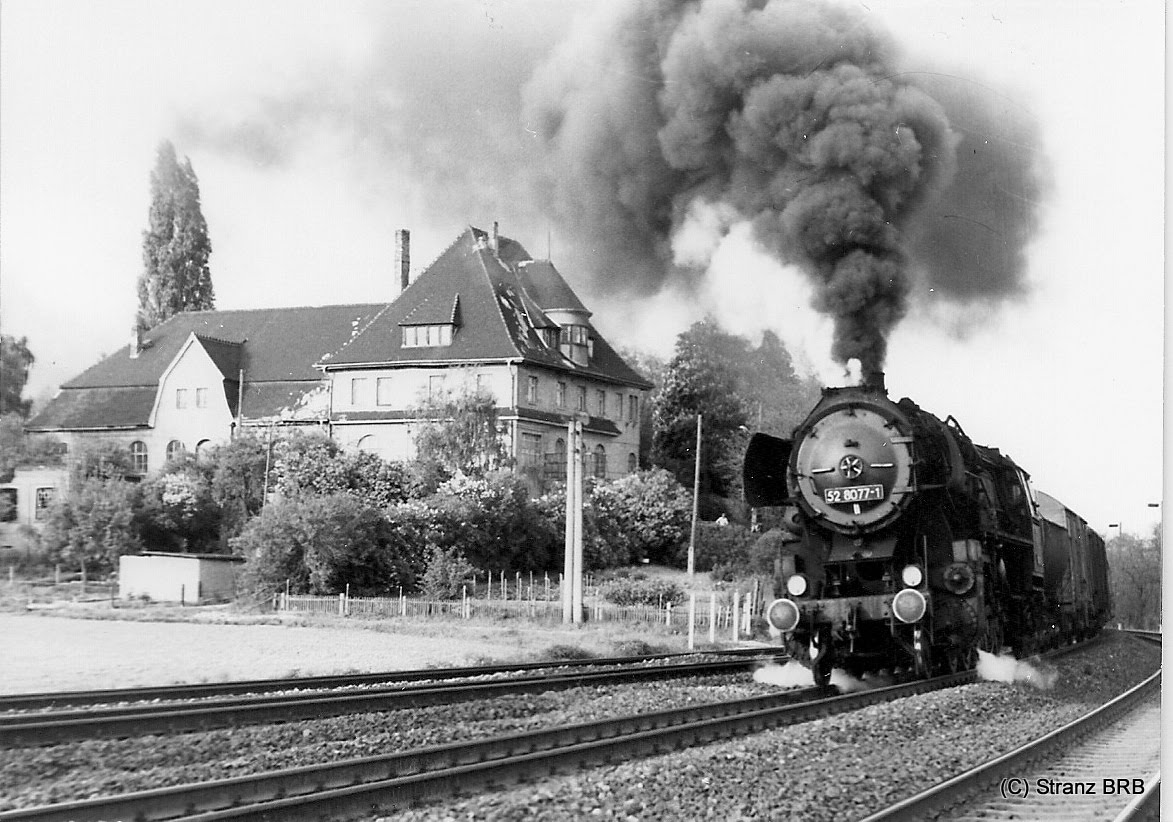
(103, 460)
(178, 511)
(776, 398)
(648, 512)
(176, 247)
(701, 378)
(91, 526)
(315, 464)
(447, 573)
(739, 389)
(494, 522)
(1135, 576)
(459, 434)
(18, 450)
(237, 483)
(15, 362)
(321, 544)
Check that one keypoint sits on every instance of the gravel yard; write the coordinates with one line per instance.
(51, 653)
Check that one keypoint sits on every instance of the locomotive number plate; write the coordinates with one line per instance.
(853, 493)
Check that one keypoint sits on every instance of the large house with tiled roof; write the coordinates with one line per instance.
(484, 316)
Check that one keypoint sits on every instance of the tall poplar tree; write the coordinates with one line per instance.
(175, 245)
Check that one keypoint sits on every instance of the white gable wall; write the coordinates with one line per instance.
(204, 414)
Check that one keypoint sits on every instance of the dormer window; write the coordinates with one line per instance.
(426, 336)
(574, 341)
(573, 335)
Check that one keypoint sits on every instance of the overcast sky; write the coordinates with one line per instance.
(316, 129)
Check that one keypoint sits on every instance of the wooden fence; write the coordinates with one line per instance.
(708, 615)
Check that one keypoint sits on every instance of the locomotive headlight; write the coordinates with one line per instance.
(909, 605)
(797, 585)
(959, 578)
(782, 615)
(912, 576)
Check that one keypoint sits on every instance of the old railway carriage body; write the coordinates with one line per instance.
(910, 547)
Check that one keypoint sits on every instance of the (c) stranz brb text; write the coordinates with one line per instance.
(1016, 787)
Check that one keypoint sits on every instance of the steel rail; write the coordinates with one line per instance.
(955, 790)
(59, 699)
(1145, 807)
(139, 720)
(401, 779)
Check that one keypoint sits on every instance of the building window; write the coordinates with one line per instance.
(633, 408)
(383, 391)
(138, 456)
(181, 398)
(369, 444)
(531, 390)
(600, 462)
(485, 384)
(202, 449)
(201, 398)
(573, 335)
(44, 499)
(426, 336)
(8, 498)
(358, 391)
(174, 450)
(435, 386)
(632, 463)
(560, 397)
(582, 398)
(618, 405)
(530, 452)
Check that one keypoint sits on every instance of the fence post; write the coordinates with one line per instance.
(342, 605)
(547, 586)
(734, 614)
(713, 617)
(347, 600)
(691, 621)
(464, 601)
(57, 574)
(668, 613)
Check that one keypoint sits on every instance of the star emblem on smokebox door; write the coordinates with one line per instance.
(851, 466)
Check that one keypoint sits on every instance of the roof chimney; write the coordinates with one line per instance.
(495, 242)
(136, 340)
(403, 256)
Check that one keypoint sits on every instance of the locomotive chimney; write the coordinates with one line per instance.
(874, 379)
(403, 257)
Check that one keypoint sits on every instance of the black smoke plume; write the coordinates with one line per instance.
(799, 117)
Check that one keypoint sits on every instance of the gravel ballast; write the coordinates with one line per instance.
(877, 754)
(839, 768)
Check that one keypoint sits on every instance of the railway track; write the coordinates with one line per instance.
(1104, 765)
(57, 726)
(401, 779)
(177, 693)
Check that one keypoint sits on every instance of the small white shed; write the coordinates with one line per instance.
(184, 578)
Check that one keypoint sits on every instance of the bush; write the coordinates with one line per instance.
(93, 524)
(447, 573)
(641, 592)
(321, 544)
(723, 550)
(646, 515)
(493, 521)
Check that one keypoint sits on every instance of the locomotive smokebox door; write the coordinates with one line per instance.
(764, 471)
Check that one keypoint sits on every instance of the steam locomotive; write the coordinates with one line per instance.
(907, 547)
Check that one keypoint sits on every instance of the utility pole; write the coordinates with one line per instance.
(696, 495)
(572, 565)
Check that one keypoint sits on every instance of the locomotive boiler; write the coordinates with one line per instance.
(907, 547)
